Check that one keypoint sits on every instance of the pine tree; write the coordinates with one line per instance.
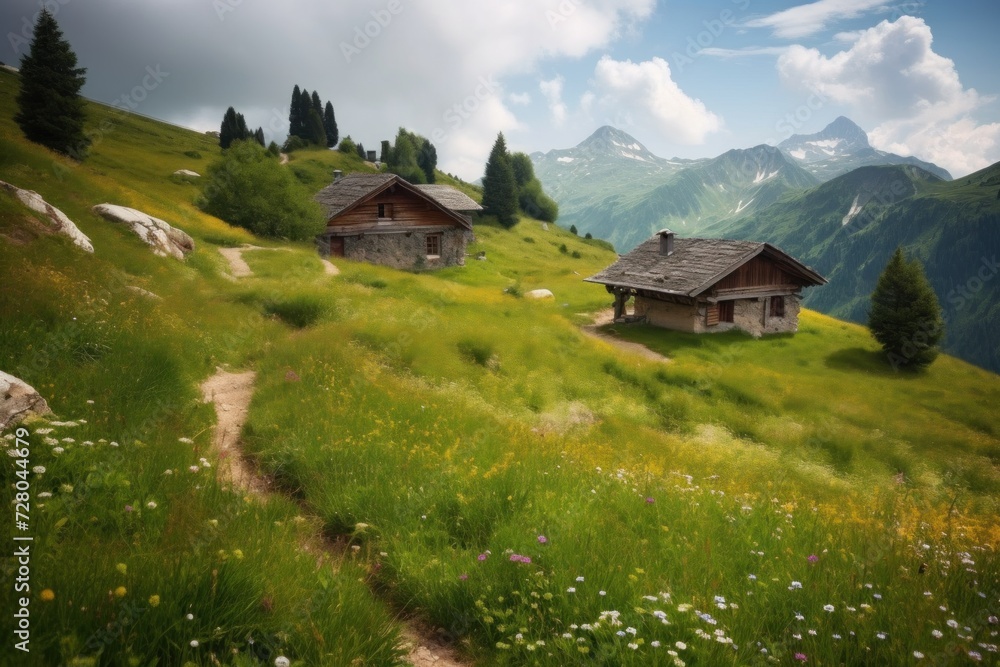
(50, 109)
(499, 185)
(317, 104)
(314, 128)
(305, 105)
(386, 153)
(427, 159)
(234, 128)
(259, 136)
(905, 316)
(330, 125)
(361, 151)
(295, 119)
(572, 230)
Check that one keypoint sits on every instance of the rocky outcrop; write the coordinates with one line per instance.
(187, 173)
(17, 400)
(57, 218)
(165, 240)
(539, 294)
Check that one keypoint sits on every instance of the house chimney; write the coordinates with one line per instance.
(337, 174)
(666, 241)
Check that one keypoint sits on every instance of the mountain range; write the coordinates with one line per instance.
(829, 199)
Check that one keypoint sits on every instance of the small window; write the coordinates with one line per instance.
(777, 306)
(726, 311)
(385, 211)
(433, 245)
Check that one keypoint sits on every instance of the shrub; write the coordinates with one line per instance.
(298, 311)
(248, 189)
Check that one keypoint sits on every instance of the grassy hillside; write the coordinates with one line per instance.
(953, 227)
(540, 496)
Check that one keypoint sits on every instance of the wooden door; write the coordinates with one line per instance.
(336, 246)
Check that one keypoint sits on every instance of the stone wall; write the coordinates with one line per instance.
(750, 315)
(408, 250)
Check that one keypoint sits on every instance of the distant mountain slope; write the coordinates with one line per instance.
(848, 227)
(736, 182)
(841, 147)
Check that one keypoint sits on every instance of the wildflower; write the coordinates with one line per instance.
(45, 494)
(975, 655)
(937, 634)
(128, 509)
(797, 635)
(190, 617)
(579, 579)
(113, 443)
(801, 657)
(168, 471)
(880, 635)
(151, 504)
(154, 600)
(194, 468)
(571, 589)
(620, 633)
(186, 441)
(812, 633)
(602, 593)
(238, 554)
(633, 646)
(482, 557)
(47, 595)
(58, 450)
(631, 631)
(877, 596)
(992, 620)
(567, 635)
(650, 500)
(463, 577)
(799, 617)
(680, 645)
(918, 655)
(655, 643)
(120, 592)
(122, 567)
(542, 539)
(828, 608)
(795, 585)
(752, 577)
(952, 623)
(813, 558)
(194, 643)
(281, 661)
(38, 470)
(837, 637)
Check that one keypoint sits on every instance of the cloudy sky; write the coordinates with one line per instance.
(687, 78)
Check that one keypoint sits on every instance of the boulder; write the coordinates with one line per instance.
(60, 222)
(165, 240)
(187, 173)
(539, 294)
(17, 399)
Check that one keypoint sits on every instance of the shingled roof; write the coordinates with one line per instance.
(694, 265)
(450, 197)
(351, 189)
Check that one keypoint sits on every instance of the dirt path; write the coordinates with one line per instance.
(607, 317)
(231, 394)
(238, 267)
(284, 158)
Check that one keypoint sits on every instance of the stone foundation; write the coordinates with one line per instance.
(750, 315)
(406, 250)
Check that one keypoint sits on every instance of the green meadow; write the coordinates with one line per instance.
(448, 453)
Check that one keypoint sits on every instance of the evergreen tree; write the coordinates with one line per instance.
(499, 186)
(49, 107)
(259, 136)
(314, 128)
(234, 128)
(384, 156)
(295, 119)
(317, 104)
(305, 104)
(330, 125)
(427, 159)
(361, 151)
(572, 230)
(905, 316)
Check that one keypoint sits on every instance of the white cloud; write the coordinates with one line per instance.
(893, 79)
(655, 102)
(552, 89)
(520, 99)
(744, 52)
(805, 20)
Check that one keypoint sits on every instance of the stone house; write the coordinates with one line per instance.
(709, 285)
(383, 219)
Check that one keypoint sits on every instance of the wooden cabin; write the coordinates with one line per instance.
(708, 285)
(383, 219)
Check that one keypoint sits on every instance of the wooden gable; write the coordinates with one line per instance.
(761, 271)
(393, 206)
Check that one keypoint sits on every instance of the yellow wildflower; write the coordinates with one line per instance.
(154, 600)
(47, 595)
(120, 592)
